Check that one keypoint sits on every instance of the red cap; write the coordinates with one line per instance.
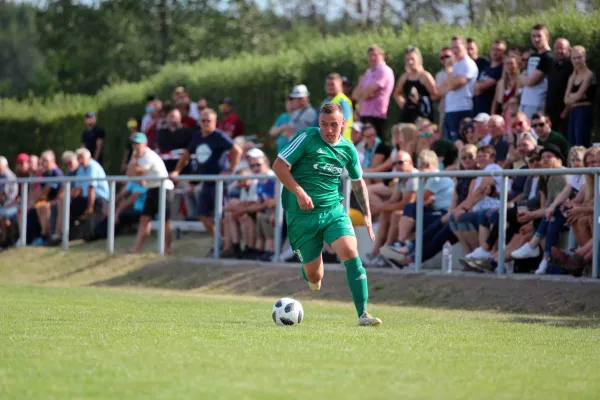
(21, 158)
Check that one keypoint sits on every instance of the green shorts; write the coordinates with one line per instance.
(307, 231)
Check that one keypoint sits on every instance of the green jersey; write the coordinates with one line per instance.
(317, 166)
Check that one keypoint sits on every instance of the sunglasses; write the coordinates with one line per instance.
(538, 125)
(255, 165)
(529, 160)
(467, 157)
(517, 124)
(424, 165)
(445, 57)
(399, 162)
(426, 134)
(205, 120)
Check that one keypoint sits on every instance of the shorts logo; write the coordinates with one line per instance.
(297, 253)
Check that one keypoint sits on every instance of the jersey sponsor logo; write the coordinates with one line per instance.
(203, 153)
(297, 253)
(330, 168)
(320, 151)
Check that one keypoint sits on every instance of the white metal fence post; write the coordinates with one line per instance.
(162, 213)
(218, 219)
(502, 224)
(278, 221)
(110, 243)
(66, 217)
(24, 209)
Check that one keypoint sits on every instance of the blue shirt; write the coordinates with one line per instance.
(443, 190)
(283, 119)
(266, 189)
(483, 102)
(93, 171)
(208, 151)
(55, 186)
(135, 187)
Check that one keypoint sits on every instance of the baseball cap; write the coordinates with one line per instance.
(90, 114)
(345, 79)
(255, 153)
(482, 117)
(139, 137)
(179, 89)
(299, 91)
(21, 158)
(357, 126)
(227, 100)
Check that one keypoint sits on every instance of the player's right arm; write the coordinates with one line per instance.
(282, 168)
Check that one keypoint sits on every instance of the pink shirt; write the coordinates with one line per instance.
(377, 106)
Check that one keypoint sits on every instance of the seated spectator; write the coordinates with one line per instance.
(145, 164)
(552, 223)
(282, 128)
(376, 151)
(69, 158)
(481, 121)
(9, 193)
(497, 131)
(357, 140)
(129, 206)
(467, 136)
(239, 226)
(483, 196)
(231, 123)
(390, 211)
(93, 194)
(431, 139)
(438, 193)
(48, 198)
(543, 128)
(264, 207)
(580, 96)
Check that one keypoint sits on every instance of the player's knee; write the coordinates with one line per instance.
(348, 254)
(314, 276)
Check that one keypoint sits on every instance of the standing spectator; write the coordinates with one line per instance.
(415, 89)
(459, 88)
(132, 127)
(172, 139)
(374, 90)
(507, 93)
(473, 52)
(186, 120)
(231, 123)
(335, 94)
(148, 112)
(304, 114)
(92, 137)
(446, 58)
(485, 88)
(535, 86)
(145, 163)
(208, 147)
(580, 94)
(560, 70)
(545, 135)
(282, 128)
(158, 116)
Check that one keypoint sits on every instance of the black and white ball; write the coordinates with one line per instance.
(287, 311)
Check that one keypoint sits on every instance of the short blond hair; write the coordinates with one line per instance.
(428, 157)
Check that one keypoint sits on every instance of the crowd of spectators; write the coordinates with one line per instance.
(516, 109)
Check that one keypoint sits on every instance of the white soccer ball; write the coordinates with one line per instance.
(287, 311)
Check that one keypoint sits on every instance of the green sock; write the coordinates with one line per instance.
(357, 281)
(303, 273)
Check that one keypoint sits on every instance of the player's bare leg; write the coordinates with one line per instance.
(313, 273)
(346, 248)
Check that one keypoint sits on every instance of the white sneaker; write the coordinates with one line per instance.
(479, 253)
(367, 319)
(542, 268)
(315, 287)
(525, 251)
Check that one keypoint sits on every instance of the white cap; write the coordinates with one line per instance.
(299, 92)
(482, 117)
(357, 126)
(255, 153)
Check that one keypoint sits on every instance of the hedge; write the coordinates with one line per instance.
(259, 83)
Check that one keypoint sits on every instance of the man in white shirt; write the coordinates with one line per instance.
(458, 89)
(145, 163)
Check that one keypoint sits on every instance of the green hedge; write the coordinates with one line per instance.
(258, 84)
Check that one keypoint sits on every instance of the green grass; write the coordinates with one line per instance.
(97, 343)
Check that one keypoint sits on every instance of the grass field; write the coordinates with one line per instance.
(99, 343)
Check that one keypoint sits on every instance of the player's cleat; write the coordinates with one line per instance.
(315, 287)
(367, 319)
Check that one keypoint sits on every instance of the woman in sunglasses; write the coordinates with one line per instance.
(415, 89)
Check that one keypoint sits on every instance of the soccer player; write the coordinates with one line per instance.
(310, 168)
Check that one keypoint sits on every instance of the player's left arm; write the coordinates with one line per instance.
(359, 187)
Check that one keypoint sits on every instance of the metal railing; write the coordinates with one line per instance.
(218, 212)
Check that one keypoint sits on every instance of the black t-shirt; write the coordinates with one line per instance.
(384, 149)
(482, 63)
(446, 151)
(168, 141)
(89, 137)
(483, 102)
(207, 152)
(546, 61)
(558, 77)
